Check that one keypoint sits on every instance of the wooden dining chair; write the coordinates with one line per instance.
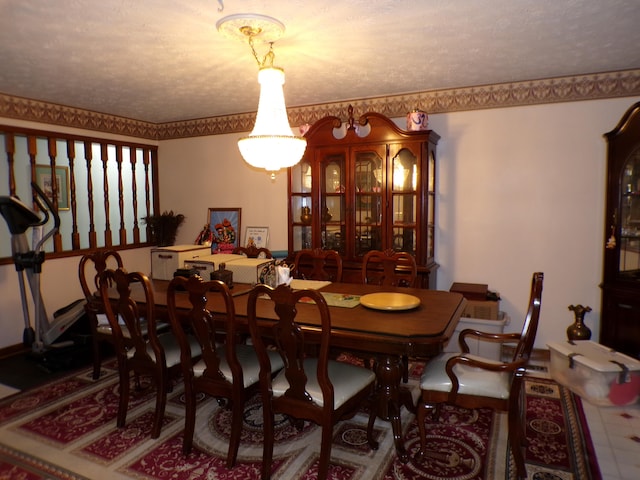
(389, 268)
(228, 369)
(89, 282)
(253, 252)
(154, 354)
(318, 264)
(316, 389)
(471, 381)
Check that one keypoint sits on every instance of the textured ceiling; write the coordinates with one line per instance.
(164, 60)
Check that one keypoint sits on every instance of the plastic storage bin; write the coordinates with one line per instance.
(207, 265)
(597, 373)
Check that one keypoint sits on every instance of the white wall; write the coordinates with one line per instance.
(520, 190)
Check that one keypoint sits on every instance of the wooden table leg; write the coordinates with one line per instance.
(391, 397)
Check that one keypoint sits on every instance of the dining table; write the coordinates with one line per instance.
(386, 329)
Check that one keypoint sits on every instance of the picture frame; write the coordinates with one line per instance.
(224, 224)
(43, 180)
(257, 236)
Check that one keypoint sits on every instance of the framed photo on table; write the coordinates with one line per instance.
(224, 224)
(256, 236)
(43, 180)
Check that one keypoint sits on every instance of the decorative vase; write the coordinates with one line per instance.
(417, 120)
(578, 330)
(326, 216)
(305, 216)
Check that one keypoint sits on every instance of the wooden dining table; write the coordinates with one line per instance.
(421, 331)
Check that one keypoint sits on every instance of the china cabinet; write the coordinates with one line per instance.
(365, 185)
(620, 322)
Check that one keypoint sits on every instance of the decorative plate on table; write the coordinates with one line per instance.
(389, 301)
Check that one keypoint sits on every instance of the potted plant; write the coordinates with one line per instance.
(164, 227)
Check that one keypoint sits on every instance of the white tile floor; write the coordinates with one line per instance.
(615, 432)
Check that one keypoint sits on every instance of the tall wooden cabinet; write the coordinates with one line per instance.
(365, 185)
(620, 323)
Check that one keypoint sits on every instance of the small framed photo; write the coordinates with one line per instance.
(44, 181)
(224, 224)
(256, 236)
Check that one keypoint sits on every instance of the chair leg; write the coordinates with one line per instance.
(267, 448)
(421, 415)
(124, 397)
(517, 438)
(237, 411)
(161, 401)
(373, 444)
(189, 420)
(405, 369)
(325, 452)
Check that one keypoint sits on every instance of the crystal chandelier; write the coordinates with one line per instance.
(271, 145)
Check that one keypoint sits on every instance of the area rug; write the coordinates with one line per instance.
(66, 430)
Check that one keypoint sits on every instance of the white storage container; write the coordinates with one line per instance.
(491, 350)
(597, 373)
(166, 260)
(247, 270)
(208, 264)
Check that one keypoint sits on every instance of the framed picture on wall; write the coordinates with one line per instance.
(44, 181)
(224, 224)
(256, 236)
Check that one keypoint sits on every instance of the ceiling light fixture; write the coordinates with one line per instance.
(271, 145)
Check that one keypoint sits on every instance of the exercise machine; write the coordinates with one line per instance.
(44, 335)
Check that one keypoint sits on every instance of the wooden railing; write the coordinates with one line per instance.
(92, 174)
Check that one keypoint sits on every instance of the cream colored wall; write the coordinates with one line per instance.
(520, 189)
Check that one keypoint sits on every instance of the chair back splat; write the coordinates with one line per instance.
(318, 264)
(471, 381)
(389, 268)
(308, 388)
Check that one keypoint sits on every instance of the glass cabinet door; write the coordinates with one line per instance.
(369, 177)
(301, 205)
(332, 202)
(404, 200)
(630, 217)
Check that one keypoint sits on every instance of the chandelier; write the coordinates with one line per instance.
(271, 145)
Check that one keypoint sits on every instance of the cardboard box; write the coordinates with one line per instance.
(481, 303)
(166, 260)
(247, 270)
(486, 309)
(597, 373)
(206, 265)
(490, 350)
(471, 291)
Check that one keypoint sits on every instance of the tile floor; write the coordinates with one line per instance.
(615, 432)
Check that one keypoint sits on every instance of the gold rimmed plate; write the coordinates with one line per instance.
(389, 301)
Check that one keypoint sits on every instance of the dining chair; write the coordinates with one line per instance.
(89, 282)
(100, 328)
(318, 264)
(471, 381)
(228, 369)
(253, 252)
(389, 268)
(154, 354)
(317, 389)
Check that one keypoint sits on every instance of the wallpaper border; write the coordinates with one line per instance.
(554, 90)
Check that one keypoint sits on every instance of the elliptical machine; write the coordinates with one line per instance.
(20, 218)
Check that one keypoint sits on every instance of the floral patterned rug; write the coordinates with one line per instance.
(66, 430)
